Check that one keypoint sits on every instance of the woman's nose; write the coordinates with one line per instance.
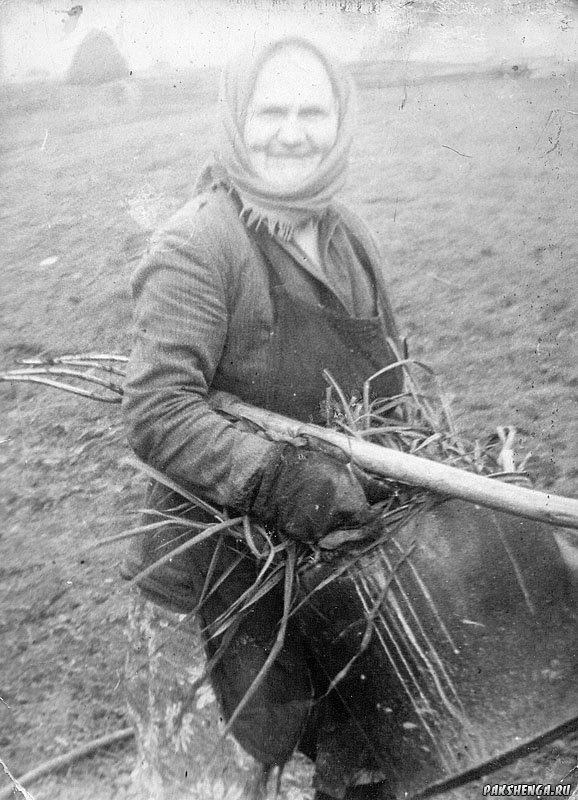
(291, 132)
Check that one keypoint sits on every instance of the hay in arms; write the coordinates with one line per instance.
(418, 422)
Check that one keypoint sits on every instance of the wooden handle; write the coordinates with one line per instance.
(542, 506)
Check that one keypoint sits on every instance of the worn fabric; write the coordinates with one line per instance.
(182, 750)
(204, 317)
(281, 210)
(310, 339)
(340, 267)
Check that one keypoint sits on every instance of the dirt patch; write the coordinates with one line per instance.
(469, 183)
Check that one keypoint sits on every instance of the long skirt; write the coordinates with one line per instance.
(182, 753)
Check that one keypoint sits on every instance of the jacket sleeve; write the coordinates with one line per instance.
(181, 310)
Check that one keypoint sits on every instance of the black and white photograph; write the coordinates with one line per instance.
(289, 399)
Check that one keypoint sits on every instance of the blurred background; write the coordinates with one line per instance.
(39, 37)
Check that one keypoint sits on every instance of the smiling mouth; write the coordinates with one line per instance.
(291, 156)
(287, 168)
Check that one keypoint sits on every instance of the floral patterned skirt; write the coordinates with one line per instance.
(182, 752)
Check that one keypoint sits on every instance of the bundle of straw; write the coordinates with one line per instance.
(409, 440)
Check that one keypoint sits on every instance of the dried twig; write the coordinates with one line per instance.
(66, 759)
(410, 470)
(46, 370)
(66, 387)
(75, 358)
(392, 458)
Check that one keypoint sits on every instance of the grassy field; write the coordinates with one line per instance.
(469, 182)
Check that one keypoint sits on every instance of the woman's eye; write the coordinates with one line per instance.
(271, 113)
(312, 113)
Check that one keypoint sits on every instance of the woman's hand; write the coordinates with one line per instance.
(306, 494)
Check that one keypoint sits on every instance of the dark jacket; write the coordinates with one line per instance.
(204, 316)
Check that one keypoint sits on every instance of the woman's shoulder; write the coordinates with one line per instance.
(204, 241)
(356, 226)
(210, 219)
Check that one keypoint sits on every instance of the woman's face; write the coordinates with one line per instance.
(292, 118)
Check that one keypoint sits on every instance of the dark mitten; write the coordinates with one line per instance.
(305, 495)
(376, 488)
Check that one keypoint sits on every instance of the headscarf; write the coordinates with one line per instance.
(282, 211)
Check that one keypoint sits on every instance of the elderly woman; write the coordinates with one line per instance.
(262, 281)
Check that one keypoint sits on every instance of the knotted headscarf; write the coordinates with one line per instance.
(282, 211)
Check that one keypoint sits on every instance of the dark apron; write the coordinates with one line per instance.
(309, 337)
